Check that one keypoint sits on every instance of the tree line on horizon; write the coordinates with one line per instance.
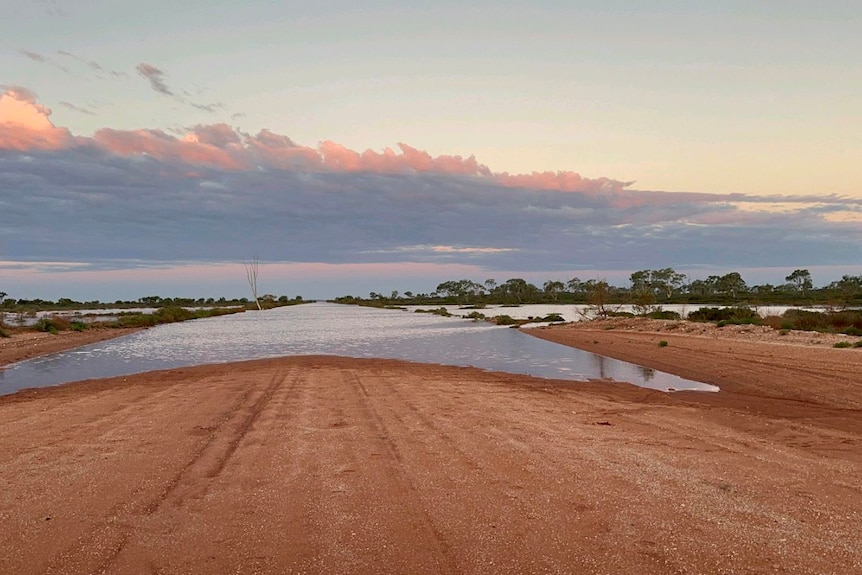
(12, 304)
(646, 288)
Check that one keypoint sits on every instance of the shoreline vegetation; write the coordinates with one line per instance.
(837, 306)
(57, 332)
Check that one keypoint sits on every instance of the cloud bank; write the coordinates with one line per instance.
(120, 199)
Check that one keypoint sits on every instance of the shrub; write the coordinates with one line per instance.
(619, 314)
(662, 314)
(552, 317)
(857, 344)
(170, 314)
(802, 319)
(736, 315)
(54, 324)
(848, 322)
(663, 343)
(504, 320)
(475, 315)
(78, 326)
(4, 333)
(842, 344)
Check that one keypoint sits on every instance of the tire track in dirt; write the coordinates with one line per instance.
(384, 436)
(500, 471)
(207, 462)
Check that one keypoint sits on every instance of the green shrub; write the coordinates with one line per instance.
(843, 344)
(663, 343)
(620, 314)
(662, 314)
(735, 315)
(504, 320)
(4, 333)
(171, 314)
(475, 315)
(803, 320)
(552, 317)
(848, 322)
(857, 344)
(54, 324)
(78, 326)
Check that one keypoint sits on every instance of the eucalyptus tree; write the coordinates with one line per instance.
(520, 289)
(846, 289)
(800, 281)
(552, 288)
(660, 283)
(575, 285)
(732, 285)
(461, 290)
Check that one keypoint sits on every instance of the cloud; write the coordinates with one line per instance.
(24, 123)
(215, 194)
(155, 76)
(33, 56)
(77, 108)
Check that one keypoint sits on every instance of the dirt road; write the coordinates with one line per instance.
(328, 465)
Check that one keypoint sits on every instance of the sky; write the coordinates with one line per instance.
(375, 146)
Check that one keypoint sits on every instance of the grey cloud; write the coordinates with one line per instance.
(155, 76)
(80, 109)
(207, 107)
(33, 56)
(87, 205)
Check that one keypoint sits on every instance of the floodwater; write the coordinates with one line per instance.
(332, 329)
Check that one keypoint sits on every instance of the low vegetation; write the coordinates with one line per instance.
(647, 291)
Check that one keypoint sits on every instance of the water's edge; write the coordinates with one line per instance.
(337, 330)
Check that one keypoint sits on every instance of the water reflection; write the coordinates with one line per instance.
(330, 329)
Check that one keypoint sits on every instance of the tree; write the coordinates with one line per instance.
(461, 290)
(575, 285)
(661, 283)
(731, 284)
(598, 296)
(846, 289)
(553, 288)
(251, 269)
(519, 289)
(800, 280)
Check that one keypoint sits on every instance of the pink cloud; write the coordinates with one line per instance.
(24, 125)
(561, 181)
(165, 147)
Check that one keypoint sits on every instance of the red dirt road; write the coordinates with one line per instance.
(329, 465)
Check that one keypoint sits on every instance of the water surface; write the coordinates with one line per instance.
(331, 329)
